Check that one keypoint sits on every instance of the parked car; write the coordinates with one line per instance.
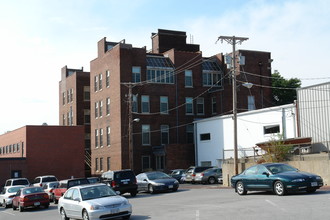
(7, 194)
(191, 173)
(123, 181)
(94, 179)
(276, 177)
(94, 201)
(17, 181)
(64, 185)
(49, 187)
(33, 196)
(156, 181)
(178, 174)
(208, 176)
(41, 180)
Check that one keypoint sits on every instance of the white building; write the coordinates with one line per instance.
(215, 136)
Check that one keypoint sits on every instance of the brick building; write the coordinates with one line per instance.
(74, 105)
(155, 96)
(32, 151)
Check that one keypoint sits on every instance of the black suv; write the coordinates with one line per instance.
(123, 181)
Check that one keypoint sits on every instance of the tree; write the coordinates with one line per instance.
(284, 91)
(276, 150)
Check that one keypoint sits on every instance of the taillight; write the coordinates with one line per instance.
(51, 190)
(12, 196)
(193, 175)
(25, 199)
(40, 184)
(135, 181)
(202, 174)
(113, 184)
(46, 196)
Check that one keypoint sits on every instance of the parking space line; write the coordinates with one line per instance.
(9, 213)
(274, 204)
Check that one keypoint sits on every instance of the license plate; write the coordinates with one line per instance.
(170, 186)
(314, 183)
(37, 203)
(114, 211)
(125, 183)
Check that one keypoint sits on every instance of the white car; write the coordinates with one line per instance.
(7, 195)
(93, 201)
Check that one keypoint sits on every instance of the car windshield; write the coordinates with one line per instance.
(280, 168)
(157, 175)
(95, 192)
(20, 182)
(14, 189)
(48, 179)
(32, 190)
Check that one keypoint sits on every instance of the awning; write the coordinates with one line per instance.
(300, 141)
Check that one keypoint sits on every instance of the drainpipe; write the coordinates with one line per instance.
(283, 124)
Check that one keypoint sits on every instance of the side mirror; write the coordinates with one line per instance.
(77, 199)
(145, 180)
(265, 173)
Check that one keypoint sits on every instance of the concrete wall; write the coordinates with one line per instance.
(315, 163)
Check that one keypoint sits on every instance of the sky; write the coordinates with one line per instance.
(40, 37)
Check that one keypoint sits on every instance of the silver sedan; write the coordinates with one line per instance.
(7, 195)
(93, 201)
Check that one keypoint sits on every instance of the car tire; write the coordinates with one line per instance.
(212, 180)
(151, 189)
(20, 208)
(14, 207)
(55, 200)
(63, 214)
(133, 193)
(46, 206)
(279, 188)
(240, 189)
(85, 215)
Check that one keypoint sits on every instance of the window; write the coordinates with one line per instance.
(100, 108)
(251, 104)
(200, 106)
(63, 119)
(63, 98)
(71, 116)
(108, 163)
(96, 109)
(145, 104)
(107, 79)
(68, 96)
(164, 134)
(136, 74)
(96, 138)
(160, 70)
(17, 147)
(189, 106)
(145, 134)
(87, 116)
(205, 137)
(95, 83)
(71, 95)
(101, 137)
(164, 105)
(96, 164)
(87, 93)
(214, 105)
(100, 81)
(190, 134)
(101, 164)
(145, 162)
(160, 162)
(108, 136)
(211, 73)
(272, 129)
(188, 78)
(134, 104)
(68, 119)
(108, 106)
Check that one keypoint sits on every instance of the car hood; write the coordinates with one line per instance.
(166, 181)
(107, 201)
(296, 174)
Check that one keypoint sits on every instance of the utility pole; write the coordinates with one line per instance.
(233, 41)
(130, 124)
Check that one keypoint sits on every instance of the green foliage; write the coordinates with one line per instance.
(277, 150)
(281, 95)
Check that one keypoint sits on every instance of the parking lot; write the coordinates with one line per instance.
(208, 202)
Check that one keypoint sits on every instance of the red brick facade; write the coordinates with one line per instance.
(42, 150)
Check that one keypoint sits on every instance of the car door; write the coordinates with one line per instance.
(75, 205)
(263, 182)
(67, 203)
(142, 183)
(249, 179)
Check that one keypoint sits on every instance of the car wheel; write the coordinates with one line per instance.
(133, 193)
(85, 215)
(63, 214)
(151, 189)
(55, 200)
(20, 208)
(14, 207)
(240, 188)
(212, 180)
(279, 188)
(311, 190)
(46, 206)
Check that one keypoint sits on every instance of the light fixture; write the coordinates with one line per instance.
(248, 85)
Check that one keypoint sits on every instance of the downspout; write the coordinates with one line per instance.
(283, 124)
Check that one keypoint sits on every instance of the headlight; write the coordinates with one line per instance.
(96, 207)
(298, 180)
(125, 202)
(176, 182)
(159, 184)
(319, 178)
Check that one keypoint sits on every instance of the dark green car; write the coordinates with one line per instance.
(276, 177)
